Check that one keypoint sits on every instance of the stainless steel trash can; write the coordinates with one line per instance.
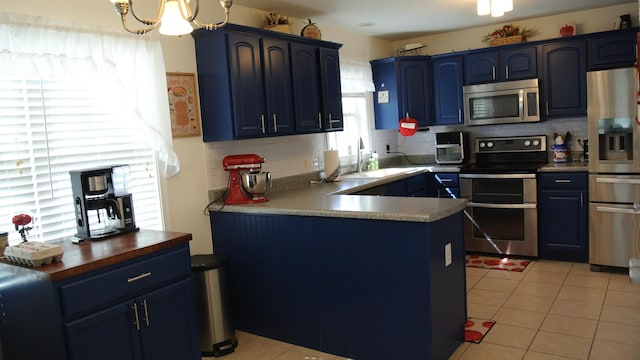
(217, 336)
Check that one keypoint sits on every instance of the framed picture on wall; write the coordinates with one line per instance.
(183, 104)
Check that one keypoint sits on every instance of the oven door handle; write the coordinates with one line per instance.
(613, 180)
(497, 176)
(502, 206)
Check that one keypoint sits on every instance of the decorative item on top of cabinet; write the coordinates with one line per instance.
(311, 30)
(508, 34)
(568, 29)
(277, 22)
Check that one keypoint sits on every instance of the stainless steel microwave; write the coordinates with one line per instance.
(502, 102)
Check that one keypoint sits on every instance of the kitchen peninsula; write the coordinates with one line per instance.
(124, 297)
(360, 276)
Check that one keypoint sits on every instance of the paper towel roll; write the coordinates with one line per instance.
(332, 165)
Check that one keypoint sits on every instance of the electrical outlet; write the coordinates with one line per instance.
(388, 148)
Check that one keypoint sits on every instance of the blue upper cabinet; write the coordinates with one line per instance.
(317, 92)
(564, 77)
(613, 49)
(247, 77)
(447, 90)
(331, 89)
(403, 88)
(509, 63)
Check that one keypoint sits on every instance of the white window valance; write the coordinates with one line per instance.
(356, 78)
(129, 70)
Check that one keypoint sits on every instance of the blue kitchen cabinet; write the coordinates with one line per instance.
(612, 49)
(447, 90)
(563, 209)
(357, 288)
(403, 89)
(512, 62)
(564, 77)
(142, 308)
(447, 185)
(317, 90)
(245, 86)
(247, 77)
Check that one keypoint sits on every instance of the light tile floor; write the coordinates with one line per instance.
(552, 310)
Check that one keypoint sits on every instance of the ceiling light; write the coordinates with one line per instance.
(494, 7)
(174, 16)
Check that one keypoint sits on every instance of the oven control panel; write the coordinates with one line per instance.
(511, 144)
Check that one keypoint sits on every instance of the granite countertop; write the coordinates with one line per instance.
(333, 199)
(565, 166)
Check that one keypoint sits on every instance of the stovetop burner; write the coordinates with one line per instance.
(514, 154)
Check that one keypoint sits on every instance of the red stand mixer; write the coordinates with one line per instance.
(247, 183)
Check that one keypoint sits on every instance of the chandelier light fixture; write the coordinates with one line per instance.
(494, 7)
(174, 17)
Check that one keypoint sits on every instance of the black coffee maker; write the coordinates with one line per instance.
(102, 202)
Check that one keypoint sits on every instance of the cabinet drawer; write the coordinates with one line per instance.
(447, 179)
(118, 282)
(563, 180)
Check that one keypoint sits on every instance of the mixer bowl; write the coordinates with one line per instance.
(255, 183)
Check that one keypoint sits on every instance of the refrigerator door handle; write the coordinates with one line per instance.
(620, 210)
(613, 180)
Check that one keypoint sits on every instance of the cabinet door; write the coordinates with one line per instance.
(306, 88)
(612, 50)
(518, 63)
(563, 225)
(447, 90)
(415, 81)
(385, 99)
(247, 85)
(106, 335)
(331, 89)
(278, 87)
(481, 67)
(167, 323)
(565, 74)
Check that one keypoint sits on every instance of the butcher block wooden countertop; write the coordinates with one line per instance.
(92, 255)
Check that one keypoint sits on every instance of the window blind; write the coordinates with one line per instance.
(49, 127)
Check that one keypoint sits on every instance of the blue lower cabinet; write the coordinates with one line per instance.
(563, 210)
(357, 288)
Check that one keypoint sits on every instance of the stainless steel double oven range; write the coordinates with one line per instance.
(501, 189)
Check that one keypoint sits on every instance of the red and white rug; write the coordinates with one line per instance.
(497, 263)
(476, 329)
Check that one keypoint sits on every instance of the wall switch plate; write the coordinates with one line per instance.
(447, 255)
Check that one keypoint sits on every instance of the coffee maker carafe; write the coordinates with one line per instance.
(103, 205)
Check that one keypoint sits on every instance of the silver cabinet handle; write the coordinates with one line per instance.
(146, 312)
(262, 122)
(135, 313)
(506, 71)
(493, 70)
(562, 181)
(136, 278)
(460, 115)
(330, 120)
(275, 123)
(319, 121)
(547, 105)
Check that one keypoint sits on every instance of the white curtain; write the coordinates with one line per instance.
(356, 78)
(128, 69)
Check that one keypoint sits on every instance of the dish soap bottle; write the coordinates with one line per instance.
(376, 163)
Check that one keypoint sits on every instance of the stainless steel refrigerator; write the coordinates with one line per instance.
(614, 168)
